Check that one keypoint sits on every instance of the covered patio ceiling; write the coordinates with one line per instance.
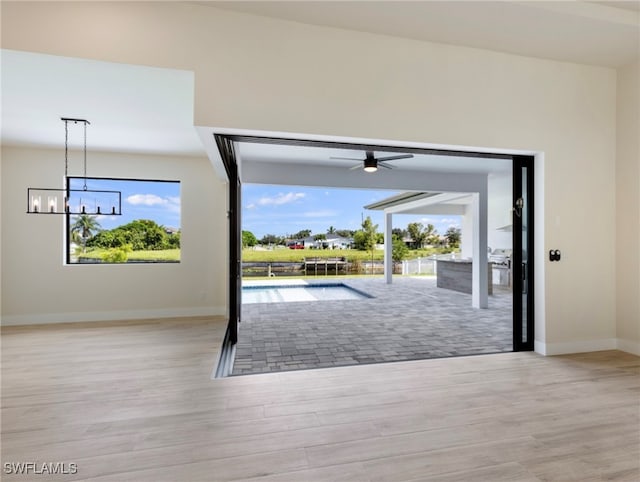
(253, 155)
(423, 203)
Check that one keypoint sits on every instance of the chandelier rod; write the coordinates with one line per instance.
(66, 146)
(84, 187)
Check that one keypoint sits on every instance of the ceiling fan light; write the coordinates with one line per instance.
(370, 165)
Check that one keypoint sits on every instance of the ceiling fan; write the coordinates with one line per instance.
(371, 163)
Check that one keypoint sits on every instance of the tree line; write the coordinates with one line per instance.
(364, 239)
(138, 235)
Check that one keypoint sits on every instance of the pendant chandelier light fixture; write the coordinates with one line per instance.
(74, 201)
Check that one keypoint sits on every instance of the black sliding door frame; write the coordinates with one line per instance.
(523, 254)
(234, 213)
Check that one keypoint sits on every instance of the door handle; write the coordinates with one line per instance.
(518, 207)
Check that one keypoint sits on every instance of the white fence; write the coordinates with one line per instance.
(425, 265)
(419, 266)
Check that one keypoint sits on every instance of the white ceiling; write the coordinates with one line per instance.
(596, 33)
(321, 156)
(131, 108)
(143, 109)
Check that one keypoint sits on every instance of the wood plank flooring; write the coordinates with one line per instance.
(133, 401)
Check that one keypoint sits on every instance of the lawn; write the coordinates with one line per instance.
(166, 255)
(292, 255)
(282, 254)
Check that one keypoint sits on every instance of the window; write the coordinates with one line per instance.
(148, 231)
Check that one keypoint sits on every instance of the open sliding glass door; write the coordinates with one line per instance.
(225, 146)
(522, 262)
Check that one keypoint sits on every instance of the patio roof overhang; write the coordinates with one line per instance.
(423, 203)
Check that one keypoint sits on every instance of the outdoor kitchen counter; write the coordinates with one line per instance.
(456, 275)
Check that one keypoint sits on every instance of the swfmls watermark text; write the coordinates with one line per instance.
(40, 468)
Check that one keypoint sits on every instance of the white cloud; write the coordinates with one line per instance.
(173, 204)
(251, 206)
(451, 221)
(428, 220)
(170, 203)
(146, 199)
(281, 199)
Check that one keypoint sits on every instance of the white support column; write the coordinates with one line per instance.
(480, 274)
(466, 233)
(388, 247)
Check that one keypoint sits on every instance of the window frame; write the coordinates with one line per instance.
(67, 219)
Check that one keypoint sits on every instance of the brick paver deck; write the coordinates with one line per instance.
(407, 320)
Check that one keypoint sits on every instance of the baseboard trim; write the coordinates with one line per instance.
(628, 346)
(42, 319)
(540, 347)
(564, 348)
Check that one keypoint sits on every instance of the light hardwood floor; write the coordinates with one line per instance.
(134, 401)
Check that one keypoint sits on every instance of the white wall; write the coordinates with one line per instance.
(266, 74)
(38, 288)
(628, 210)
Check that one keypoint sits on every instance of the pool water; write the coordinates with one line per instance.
(291, 293)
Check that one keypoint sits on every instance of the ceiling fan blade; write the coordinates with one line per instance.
(391, 158)
(382, 164)
(357, 166)
(346, 158)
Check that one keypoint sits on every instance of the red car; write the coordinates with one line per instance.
(296, 246)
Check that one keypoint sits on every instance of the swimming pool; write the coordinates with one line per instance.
(291, 293)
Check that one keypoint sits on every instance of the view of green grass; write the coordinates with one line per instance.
(276, 255)
(164, 255)
(282, 254)
(292, 255)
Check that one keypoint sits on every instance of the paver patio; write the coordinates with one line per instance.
(408, 320)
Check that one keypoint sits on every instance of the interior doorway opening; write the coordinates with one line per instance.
(278, 162)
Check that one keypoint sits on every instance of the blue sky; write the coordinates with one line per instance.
(283, 210)
(158, 201)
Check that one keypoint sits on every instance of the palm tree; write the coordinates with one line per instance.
(84, 227)
(331, 230)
